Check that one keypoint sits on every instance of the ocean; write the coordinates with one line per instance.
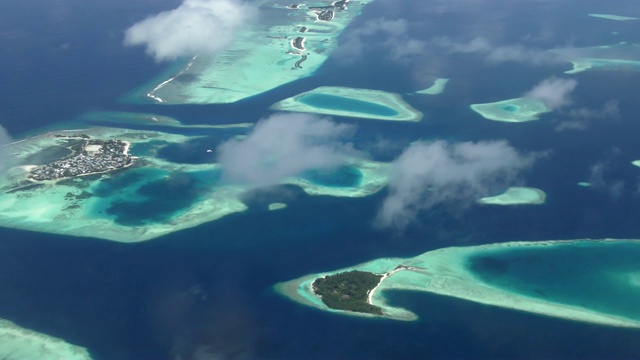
(212, 285)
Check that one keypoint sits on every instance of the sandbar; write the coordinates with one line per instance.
(580, 65)
(277, 206)
(613, 17)
(516, 196)
(446, 272)
(437, 87)
(17, 343)
(585, 183)
(512, 110)
(351, 102)
(118, 118)
(636, 163)
(262, 57)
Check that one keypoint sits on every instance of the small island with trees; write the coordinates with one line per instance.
(348, 291)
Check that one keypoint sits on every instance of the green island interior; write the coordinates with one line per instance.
(348, 291)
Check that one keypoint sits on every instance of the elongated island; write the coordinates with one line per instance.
(288, 43)
(583, 280)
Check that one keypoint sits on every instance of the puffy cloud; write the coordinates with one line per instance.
(581, 118)
(553, 92)
(390, 35)
(196, 26)
(429, 173)
(499, 53)
(285, 145)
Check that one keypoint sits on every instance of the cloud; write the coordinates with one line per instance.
(194, 27)
(553, 92)
(429, 173)
(581, 118)
(499, 53)
(600, 180)
(285, 145)
(389, 35)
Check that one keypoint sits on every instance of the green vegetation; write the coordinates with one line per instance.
(348, 291)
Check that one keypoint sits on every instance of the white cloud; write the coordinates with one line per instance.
(499, 53)
(196, 26)
(553, 92)
(427, 174)
(285, 145)
(390, 35)
(581, 118)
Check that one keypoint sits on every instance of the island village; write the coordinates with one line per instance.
(95, 156)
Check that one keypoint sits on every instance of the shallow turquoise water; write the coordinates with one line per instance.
(599, 276)
(340, 103)
(143, 196)
(344, 176)
(509, 108)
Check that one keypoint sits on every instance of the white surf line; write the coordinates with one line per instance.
(370, 297)
(162, 84)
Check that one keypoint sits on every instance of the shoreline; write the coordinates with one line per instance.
(386, 275)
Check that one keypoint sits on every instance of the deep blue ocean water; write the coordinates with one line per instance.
(212, 284)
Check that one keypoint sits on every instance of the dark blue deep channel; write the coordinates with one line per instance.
(208, 289)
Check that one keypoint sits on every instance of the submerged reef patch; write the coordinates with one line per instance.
(156, 193)
(17, 343)
(516, 196)
(342, 101)
(512, 110)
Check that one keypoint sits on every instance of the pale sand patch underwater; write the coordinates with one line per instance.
(437, 87)
(17, 343)
(261, 57)
(351, 102)
(516, 196)
(147, 119)
(512, 110)
(446, 272)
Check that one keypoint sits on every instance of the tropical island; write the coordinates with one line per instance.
(124, 185)
(348, 291)
(522, 275)
(88, 157)
(271, 51)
